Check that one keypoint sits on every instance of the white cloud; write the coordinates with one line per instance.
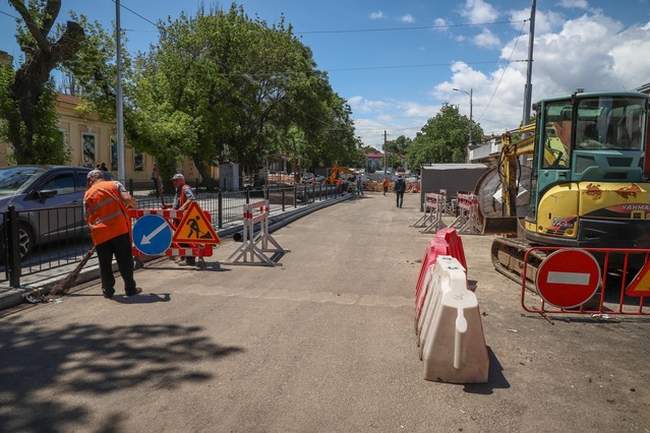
(377, 15)
(459, 38)
(545, 21)
(487, 39)
(479, 11)
(408, 18)
(594, 52)
(577, 4)
(440, 22)
(372, 117)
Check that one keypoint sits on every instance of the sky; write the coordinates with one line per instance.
(397, 78)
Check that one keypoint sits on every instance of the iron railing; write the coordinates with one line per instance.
(40, 240)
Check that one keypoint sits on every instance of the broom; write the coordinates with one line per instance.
(64, 285)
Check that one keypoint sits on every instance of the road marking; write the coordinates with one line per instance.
(568, 278)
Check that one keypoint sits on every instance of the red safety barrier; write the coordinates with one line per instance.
(437, 247)
(588, 281)
(455, 244)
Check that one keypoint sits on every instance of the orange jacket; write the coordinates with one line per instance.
(106, 214)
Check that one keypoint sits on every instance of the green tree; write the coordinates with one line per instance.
(397, 150)
(443, 138)
(27, 95)
(242, 89)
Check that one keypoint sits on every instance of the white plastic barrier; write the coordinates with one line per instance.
(450, 332)
(468, 220)
(252, 250)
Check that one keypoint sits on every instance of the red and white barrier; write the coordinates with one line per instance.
(445, 243)
(172, 216)
(468, 220)
(447, 319)
(253, 249)
(450, 332)
(434, 206)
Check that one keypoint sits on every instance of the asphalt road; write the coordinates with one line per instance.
(323, 343)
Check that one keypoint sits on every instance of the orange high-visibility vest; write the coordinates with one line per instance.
(106, 214)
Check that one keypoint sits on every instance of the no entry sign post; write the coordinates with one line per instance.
(568, 278)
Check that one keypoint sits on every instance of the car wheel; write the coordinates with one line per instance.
(25, 240)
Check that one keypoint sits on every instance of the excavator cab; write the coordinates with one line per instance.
(588, 185)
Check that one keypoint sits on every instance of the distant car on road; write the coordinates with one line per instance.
(30, 189)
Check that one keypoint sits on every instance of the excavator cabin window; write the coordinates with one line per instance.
(557, 134)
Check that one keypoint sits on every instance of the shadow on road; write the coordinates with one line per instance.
(148, 298)
(496, 379)
(41, 366)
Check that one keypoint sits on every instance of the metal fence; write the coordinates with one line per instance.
(46, 239)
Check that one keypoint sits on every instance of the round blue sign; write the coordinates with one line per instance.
(152, 235)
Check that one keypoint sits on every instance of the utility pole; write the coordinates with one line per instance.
(528, 90)
(121, 168)
(385, 151)
(471, 109)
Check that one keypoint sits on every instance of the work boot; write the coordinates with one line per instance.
(134, 292)
(108, 293)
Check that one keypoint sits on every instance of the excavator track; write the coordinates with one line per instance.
(508, 259)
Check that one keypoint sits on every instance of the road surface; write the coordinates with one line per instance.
(323, 343)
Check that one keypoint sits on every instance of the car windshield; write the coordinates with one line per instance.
(610, 123)
(14, 179)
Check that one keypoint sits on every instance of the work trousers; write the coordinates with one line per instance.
(400, 198)
(120, 247)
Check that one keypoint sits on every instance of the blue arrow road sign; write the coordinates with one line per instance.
(152, 235)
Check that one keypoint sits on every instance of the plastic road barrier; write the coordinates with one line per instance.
(446, 242)
(253, 249)
(450, 332)
(468, 220)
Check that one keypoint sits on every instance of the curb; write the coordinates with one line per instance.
(15, 297)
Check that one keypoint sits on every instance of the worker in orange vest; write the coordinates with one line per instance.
(184, 196)
(386, 184)
(105, 204)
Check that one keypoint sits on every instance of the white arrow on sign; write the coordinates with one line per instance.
(146, 239)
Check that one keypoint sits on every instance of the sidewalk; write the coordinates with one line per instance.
(43, 280)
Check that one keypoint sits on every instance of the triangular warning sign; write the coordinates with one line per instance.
(640, 285)
(195, 227)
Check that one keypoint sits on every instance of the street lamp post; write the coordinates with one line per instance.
(470, 94)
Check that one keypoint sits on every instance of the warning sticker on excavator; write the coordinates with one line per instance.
(195, 227)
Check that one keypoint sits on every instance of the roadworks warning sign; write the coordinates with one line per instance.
(195, 227)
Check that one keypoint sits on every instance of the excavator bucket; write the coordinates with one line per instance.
(499, 225)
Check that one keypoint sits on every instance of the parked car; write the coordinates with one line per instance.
(48, 200)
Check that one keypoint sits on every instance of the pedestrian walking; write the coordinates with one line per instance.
(184, 196)
(400, 188)
(386, 184)
(105, 204)
(360, 185)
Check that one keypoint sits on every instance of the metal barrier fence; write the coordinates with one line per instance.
(616, 269)
(39, 240)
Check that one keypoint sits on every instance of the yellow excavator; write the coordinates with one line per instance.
(336, 173)
(586, 186)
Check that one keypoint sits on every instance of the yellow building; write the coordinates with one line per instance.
(91, 141)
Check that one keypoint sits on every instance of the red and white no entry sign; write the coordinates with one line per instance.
(568, 278)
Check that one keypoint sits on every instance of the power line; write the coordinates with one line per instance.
(137, 14)
(411, 28)
(407, 66)
(9, 15)
(503, 73)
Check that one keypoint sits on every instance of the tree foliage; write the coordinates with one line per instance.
(27, 95)
(234, 88)
(397, 150)
(443, 138)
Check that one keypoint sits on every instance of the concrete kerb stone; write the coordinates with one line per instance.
(15, 297)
